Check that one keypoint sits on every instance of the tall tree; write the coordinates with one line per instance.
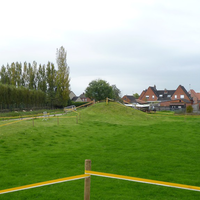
(13, 74)
(8, 74)
(34, 75)
(41, 78)
(3, 75)
(62, 78)
(44, 79)
(18, 74)
(51, 80)
(31, 76)
(25, 78)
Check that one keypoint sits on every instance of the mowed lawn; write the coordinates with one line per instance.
(117, 139)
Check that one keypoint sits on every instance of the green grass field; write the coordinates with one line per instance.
(117, 139)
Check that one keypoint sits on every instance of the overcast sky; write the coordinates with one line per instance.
(132, 44)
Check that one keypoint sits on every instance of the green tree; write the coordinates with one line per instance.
(18, 74)
(62, 77)
(136, 95)
(116, 93)
(25, 78)
(34, 75)
(8, 74)
(51, 81)
(99, 90)
(31, 76)
(3, 75)
(41, 78)
(13, 74)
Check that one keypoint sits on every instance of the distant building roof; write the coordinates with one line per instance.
(76, 99)
(82, 96)
(130, 98)
(71, 95)
(165, 95)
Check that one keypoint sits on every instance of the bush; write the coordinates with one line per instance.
(78, 103)
(189, 109)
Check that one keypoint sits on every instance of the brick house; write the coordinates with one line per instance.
(195, 96)
(84, 98)
(153, 95)
(181, 93)
(196, 100)
(171, 99)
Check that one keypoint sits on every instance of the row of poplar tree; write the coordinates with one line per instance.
(27, 85)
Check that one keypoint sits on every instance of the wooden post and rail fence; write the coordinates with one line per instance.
(87, 177)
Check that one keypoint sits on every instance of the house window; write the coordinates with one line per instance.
(153, 96)
(160, 95)
(168, 95)
(175, 96)
(147, 97)
(182, 96)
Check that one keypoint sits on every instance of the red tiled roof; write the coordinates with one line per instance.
(140, 101)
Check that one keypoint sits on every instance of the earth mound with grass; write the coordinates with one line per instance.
(113, 113)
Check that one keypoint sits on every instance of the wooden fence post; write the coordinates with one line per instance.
(107, 101)
(77, 119)
(33, 121)
(87, 181)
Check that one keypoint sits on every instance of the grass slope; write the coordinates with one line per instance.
(117, 139)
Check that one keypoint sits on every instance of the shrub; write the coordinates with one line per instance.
(189, 109)
(78, 103)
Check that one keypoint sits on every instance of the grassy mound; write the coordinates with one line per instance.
(115, 113)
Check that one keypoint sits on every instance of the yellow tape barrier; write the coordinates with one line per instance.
(87, 104)
(115, 176)
(14, 122)
(141, 180)
(23, 116)
(66, 117)
(25, 187)
(35, 118)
